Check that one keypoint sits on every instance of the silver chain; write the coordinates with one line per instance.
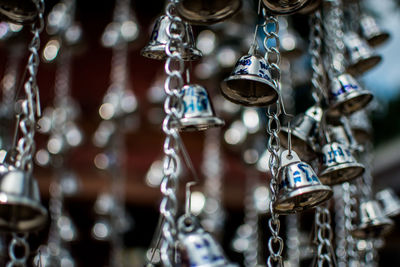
(18, 241)
(324, 236)
(174, 69)
(275, 242)
(340, 230)
(293, 240)
(349, 215)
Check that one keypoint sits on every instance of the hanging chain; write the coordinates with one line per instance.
(349, 215)
(275, 242)
(340, 230)
(324, 236)
(17, 243)
(293, 240)
(174, 68)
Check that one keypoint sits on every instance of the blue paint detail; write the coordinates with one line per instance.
(303, 167)
(242, 71)
(344, 89)
(263, 66)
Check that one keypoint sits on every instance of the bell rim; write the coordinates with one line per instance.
(19, 18)
(310, 154)
(157, 52)
(36, 206)
(290, 11)
(199, 124)
(364, 64)
(392, 213)
(386, 223)
(237, 99)
(324, 177)
(336, 108)
(209, 19)
(303, 190)
(378, 39)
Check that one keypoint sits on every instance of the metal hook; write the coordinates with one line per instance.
(188, 203)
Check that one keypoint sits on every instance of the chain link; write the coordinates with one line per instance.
(293, 240)
(17, 243)
(324, 236)
(350, 214)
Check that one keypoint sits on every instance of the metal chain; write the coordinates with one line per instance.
(324, 236)
(340, 230)
(17, 243)
(272, 55)
(350, 214)
(293, 240)
(174, 69)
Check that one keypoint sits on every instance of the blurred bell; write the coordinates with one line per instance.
(250, 82)
(373, 223)
(347, 96)
(198, 113)
(20, 207)
(310, 7)
(361, 57)
(361, 126)
(285, 7)
(338, 164)
(299, 186)
(18, 11)
(390, 202)
(198, 247)
(304, 130)
(155, 49)
(207, 12)
(372, 32)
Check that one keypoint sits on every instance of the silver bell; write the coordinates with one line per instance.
(299, 186)
(338, 164)
(285, 7)
(373, 223)
(250, 82)
(372, 32)
(346, 96)
(361, 126)
(198, 247)
(198, 113)
(20, 207)
(155, 49)
(207, 12)
(304, 130)
(361, 57)
(20, 12)
(390, 202)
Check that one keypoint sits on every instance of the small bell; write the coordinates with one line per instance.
(198, 114)
(250, 82)
(20, 12)
(371, 31)
(299, 186)
(361, 57)
(338, 164)
(373, 223)
(207, 12)
(198, 247)
(155, 49)
(390, 202)
(304, 131)
(346, 96)
(361, 126)
(285, 7)
(20, 207)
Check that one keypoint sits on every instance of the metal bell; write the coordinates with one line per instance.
(207, 12)
(347, 96)
(338, 164)
(20, 12)
(361, 57)
(198, 113)
(285, 7)
(198, 247)
(390, 202)
(250, 82)
(155, 49)
(299, 186)
(20, 207)
(304, 130)
(371, 31)
(361, 126)
(373, 223)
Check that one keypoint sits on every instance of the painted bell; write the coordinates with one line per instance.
(198, 113)
(250, 83)
(284, 7)
(371, 31)
(20, 12)
(198, 247)
(304, 130)
(361, 126)
(346, 96)
(207, 12)
(390, 202)
(155, 49)
(20, 207)
(338, 164)
(299, 186)
(361, 57)
(373, 223)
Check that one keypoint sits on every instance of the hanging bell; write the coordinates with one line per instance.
(285, 7)
(207, 12)
(338, 164)
(373, 223)
(155, 49)
(361, 126)
(20, 11)
(198, 247)
(371, 31)
(250, 83)
(304, 130)
(20, 207)
(198, 113)
(361, 57)
(299, 186)
(390, 202)
(347, 96)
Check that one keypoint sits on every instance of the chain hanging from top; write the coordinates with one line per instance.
(293, 240)
(174, 69)
(324, 236)
(349, 215)
(275, 242)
